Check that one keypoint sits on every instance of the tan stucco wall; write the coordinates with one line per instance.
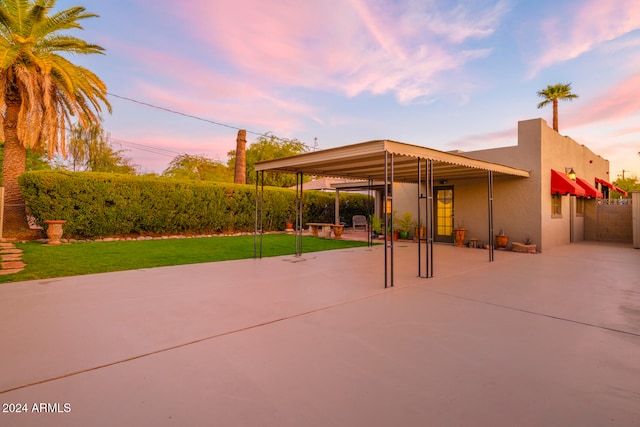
(522, 206)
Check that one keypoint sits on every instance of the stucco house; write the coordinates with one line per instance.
(548, 206)
(541, 188)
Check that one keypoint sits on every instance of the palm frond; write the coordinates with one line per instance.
(50, 88)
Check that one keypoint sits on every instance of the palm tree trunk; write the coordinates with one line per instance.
(14, 164)
(555, 115)
(240, 176)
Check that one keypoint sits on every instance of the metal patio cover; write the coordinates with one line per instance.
(366, 161)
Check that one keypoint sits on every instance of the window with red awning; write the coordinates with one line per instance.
(561, 184)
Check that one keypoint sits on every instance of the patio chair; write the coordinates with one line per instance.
(359, 221)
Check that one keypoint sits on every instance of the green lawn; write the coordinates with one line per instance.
(100, 257)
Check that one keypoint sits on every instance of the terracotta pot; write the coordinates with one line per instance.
(502, 241)
(337, 231)
(54, 230)
(459, 234)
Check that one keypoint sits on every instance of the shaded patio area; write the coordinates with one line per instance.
(384, 163)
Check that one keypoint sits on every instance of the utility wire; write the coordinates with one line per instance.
(169, 110)
(147, 148)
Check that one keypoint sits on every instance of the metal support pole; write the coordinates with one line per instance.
(391, 217)
(259, 216)
(371, 210)
(337, 208)
(386, 221)
(255, 225)
(491, 233)
(429, 217)
(419, 223)
(299, 225)
(425, 198)
(388, 213)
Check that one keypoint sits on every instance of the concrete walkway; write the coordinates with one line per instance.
(551, 339)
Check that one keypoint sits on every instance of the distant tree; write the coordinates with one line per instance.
(40, 89)
(268, 148)
(201, 168)
(90, 150)
(552, 94)
(628, 184)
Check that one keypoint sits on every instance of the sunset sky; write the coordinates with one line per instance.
(438, 73)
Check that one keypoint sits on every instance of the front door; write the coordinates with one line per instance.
(444, 214)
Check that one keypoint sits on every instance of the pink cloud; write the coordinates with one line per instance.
(626, 131)
(351, 47)
(486, 140)
(615, 103)
(572, 32)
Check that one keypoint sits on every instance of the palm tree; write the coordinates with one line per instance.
(40, 90)
(553, 94)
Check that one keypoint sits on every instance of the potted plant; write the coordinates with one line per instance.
(405, 224)
(526, 246)
(501, 240)
(289, 226)
(376, 226)
(459, 234)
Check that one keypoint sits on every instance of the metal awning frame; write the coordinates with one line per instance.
(387, 162)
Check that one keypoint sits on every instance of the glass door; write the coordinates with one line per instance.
(444, 214)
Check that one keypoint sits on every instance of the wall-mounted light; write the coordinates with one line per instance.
(443, 181)
(570, 173)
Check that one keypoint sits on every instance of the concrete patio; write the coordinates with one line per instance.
(551, 339)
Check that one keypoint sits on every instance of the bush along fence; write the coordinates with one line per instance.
(102, 205)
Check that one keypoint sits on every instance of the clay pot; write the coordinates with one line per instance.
(502, 241)
(459, 234)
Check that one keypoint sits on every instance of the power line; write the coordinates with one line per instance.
(169, 110)
(147, 148)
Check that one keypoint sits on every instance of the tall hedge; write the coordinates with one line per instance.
(102, 204)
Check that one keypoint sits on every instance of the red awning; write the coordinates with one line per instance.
(613, 187)
(561, 184)
(589, 189)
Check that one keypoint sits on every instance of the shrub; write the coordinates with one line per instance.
(104, 204)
